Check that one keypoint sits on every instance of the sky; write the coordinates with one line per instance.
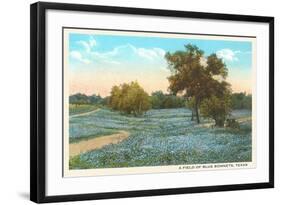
(99, 61)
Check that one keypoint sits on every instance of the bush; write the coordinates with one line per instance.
(217, 108)
(129, 98)
(159, 100)
(232, 123)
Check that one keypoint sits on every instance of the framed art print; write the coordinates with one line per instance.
(129, 102)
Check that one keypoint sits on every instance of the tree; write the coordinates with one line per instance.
(115, 98)
(217, 107)
(129, 98)
(79, 99)
(187, 73)
(191, 104)
(96, 99)
(241, 101)
(159, 100)
(194, 79)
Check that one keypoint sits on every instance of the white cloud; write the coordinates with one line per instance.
(88, 45)
(151, 54)
(109, 54)
(106, 57)
(92, 41)
(78, 56)
(228, 54)
(125, 52)
(85, 45)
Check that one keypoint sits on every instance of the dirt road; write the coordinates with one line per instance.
(84, 113)
(96, 143)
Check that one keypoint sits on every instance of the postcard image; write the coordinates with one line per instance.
(147, 102)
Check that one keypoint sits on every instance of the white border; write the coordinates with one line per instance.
(57, 185)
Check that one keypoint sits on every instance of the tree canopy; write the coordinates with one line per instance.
(79, 99)
(129, 98)
(159, 100)
(197, 77)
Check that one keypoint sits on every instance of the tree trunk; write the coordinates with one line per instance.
(197, 111)
(192, 114)
(219, 122)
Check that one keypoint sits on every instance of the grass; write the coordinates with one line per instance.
(76, 162)
(88, 137)
(160, 137)
(77, 109)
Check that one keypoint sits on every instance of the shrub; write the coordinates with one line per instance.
(129, 98)
(159, 100)
(216, 108)
(232, 123)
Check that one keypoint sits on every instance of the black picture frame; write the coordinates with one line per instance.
(38, 100)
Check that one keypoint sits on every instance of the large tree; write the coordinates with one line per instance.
(195, 76)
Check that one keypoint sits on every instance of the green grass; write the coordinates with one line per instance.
(76, 162)
(82, 138)
(78, 109)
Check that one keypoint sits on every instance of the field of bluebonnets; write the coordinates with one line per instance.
(161, 137)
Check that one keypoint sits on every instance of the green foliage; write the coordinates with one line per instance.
(194, 79)
(159, 100)
(129, 98)
(81, 99)
(186, 69)
(216, 66)
(75, 162)
(217, 108)
(241, 101)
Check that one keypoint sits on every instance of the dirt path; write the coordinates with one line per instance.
(96, 143)
(84, 113)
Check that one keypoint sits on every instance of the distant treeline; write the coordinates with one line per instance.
(159, 100)
(241, 101)
(79, 98)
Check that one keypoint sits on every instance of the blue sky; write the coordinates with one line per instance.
(93, 57)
